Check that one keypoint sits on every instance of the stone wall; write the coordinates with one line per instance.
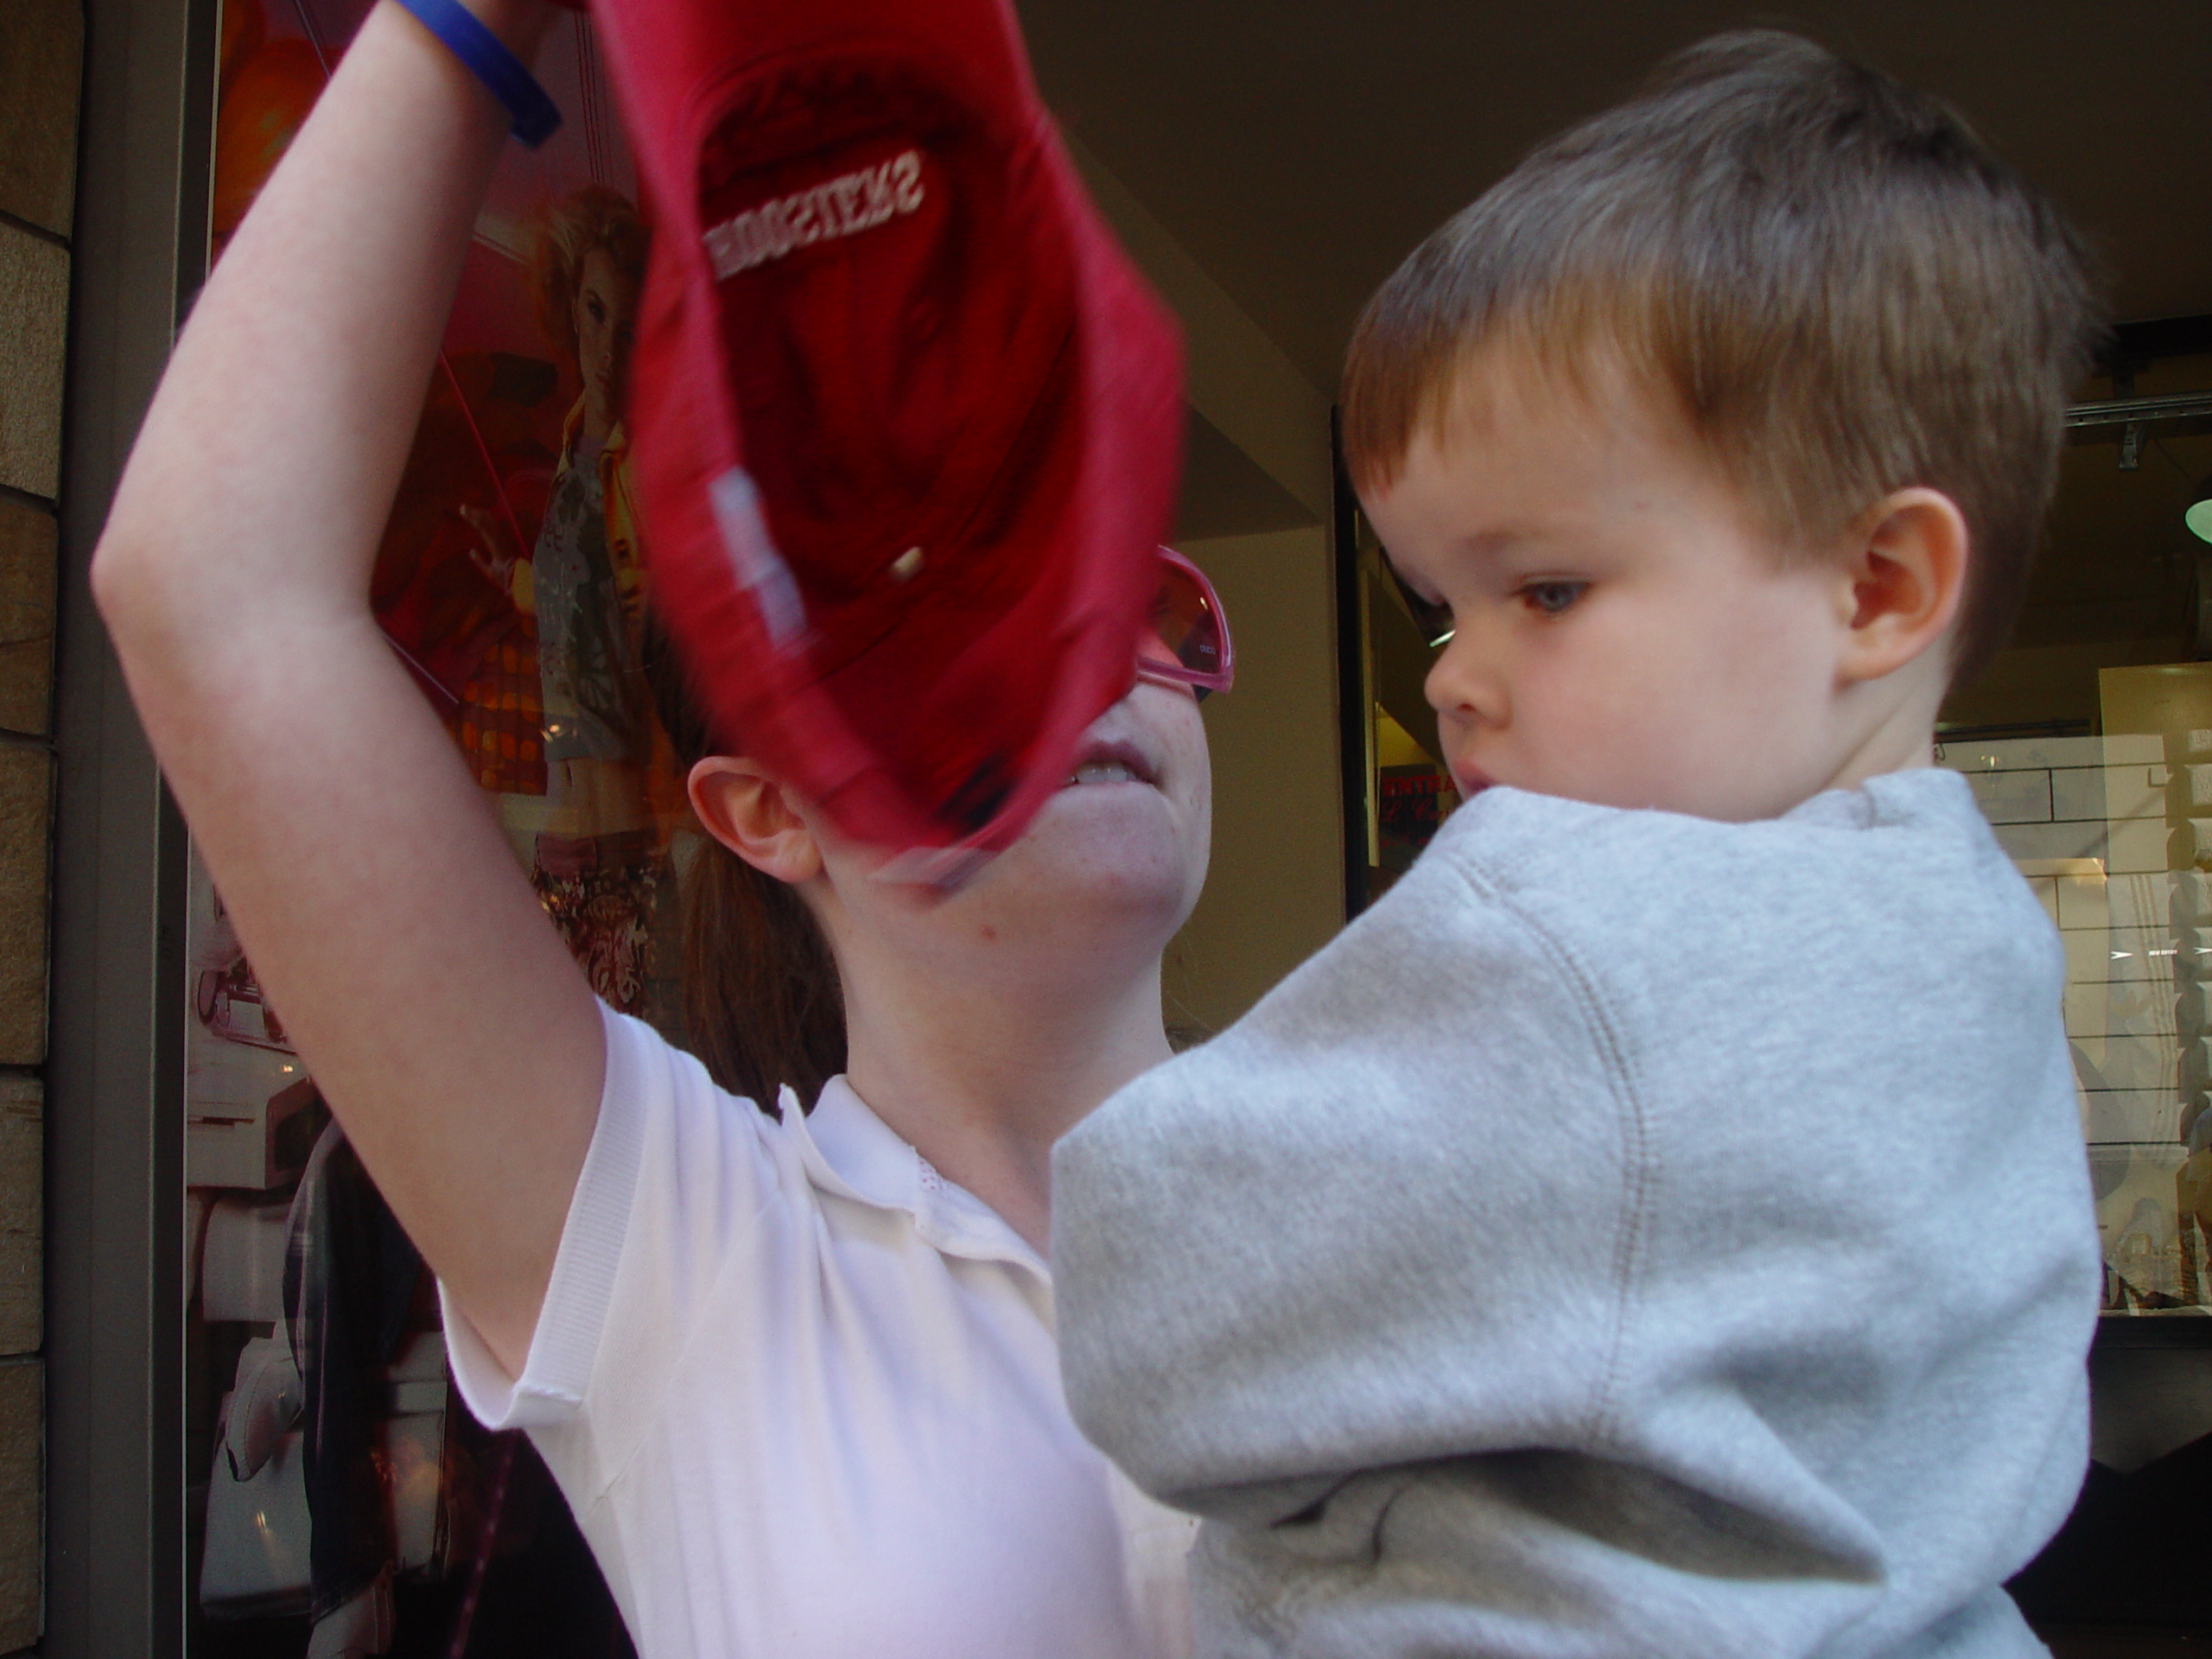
(41, 45)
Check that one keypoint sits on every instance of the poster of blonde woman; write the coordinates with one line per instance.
(600, 863)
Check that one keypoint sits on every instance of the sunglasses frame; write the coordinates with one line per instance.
(1174, 673)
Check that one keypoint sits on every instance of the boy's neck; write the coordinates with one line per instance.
(1899, 733)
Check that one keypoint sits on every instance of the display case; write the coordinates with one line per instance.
(338, 1499)
(2113, 833)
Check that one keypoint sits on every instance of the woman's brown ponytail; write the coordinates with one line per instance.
(762, 1003)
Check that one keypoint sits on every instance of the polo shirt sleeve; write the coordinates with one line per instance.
(678, 1172)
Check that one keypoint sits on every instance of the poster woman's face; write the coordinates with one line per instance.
(605, 319)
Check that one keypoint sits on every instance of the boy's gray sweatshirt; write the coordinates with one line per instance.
(1636, 1234)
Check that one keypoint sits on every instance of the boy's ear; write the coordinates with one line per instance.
(744, 807)
(1907, 566)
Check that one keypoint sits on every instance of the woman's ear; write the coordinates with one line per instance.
(1907, 569)
(744, 807)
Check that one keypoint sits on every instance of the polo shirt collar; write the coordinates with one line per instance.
(865, 1159)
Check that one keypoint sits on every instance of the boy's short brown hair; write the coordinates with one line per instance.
(1841, 287)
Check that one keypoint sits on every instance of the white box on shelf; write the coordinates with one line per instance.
(2082, 901)
(256, 1145)
(2193, 1063)
(2049, 754)
(2139, 899)
(2193, 950)
(2129, 1115)
(2126, 1062)
(2121, 792)
(2045, 888)
(2192, 1006)
(2192, 897)
(2136, 846)
(2109, 953)
(2014, 796)
(2085, 839)
(2118, 1009)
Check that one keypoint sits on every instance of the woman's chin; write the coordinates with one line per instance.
(1106, 847)
(1120, 821)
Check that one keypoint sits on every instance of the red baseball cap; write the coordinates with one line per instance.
(907, 424)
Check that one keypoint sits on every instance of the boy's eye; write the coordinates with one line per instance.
(1553, 597)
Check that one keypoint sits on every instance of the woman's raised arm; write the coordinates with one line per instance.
(384, 915)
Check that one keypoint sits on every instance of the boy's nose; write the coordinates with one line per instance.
(1462, 685)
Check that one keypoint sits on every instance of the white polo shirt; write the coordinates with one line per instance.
(804, 1397)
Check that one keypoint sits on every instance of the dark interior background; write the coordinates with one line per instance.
(1298, 150)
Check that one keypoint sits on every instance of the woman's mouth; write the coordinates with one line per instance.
(1110, 763)
(1103, 771)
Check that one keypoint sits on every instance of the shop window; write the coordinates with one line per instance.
(2088, 744)
(340, 1500)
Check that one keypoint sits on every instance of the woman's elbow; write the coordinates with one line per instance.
(126, 577)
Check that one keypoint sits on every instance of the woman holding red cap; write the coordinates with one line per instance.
(795, 1371)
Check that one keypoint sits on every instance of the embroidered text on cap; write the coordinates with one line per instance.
(846, 206)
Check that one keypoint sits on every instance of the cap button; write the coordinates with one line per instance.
(907, 565)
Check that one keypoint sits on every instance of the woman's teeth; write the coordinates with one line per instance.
(1102, 771)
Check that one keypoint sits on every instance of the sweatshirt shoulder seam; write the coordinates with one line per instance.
(1616, 1058)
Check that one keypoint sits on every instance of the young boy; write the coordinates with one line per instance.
(1659, 1226)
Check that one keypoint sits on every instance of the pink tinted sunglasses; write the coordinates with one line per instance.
(1187, 638)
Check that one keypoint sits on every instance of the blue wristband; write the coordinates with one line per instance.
(502, 73)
